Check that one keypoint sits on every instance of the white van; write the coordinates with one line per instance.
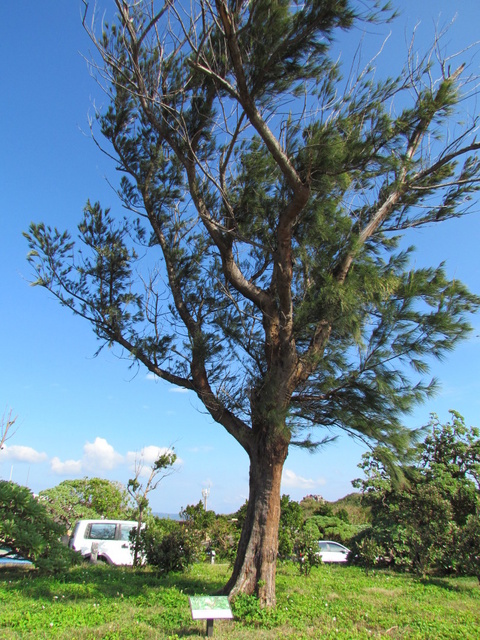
(110, 537)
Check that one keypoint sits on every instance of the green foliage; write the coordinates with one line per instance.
(169, 546)
(210, 532)
(26, 528)
(291, 522)
(333, 527)
(469, 545)
(420, 522)
(367, 551)
(86, 498)
(197, 518)
(357, 512)
(339, 520)
(306, 549)
(223, 537)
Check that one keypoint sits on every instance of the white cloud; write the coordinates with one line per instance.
(20, 453)
(67, 468)
(151, 376)
(178, 390)
(98, 455)
(146, 457)
(292, 480)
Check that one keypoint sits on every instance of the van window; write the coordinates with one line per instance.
(101, 531)
(125, 531)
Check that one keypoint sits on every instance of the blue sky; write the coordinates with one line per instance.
(80, 415)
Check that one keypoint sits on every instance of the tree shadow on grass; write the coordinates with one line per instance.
(161, 601)
(87, 582)
(444, 583)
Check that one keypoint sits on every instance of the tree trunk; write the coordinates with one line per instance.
(255, 566)
(137, 537)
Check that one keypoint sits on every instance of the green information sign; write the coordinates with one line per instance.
(210, 608)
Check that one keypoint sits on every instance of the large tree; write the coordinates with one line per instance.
(259, 262)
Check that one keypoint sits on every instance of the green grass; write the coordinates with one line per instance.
(117, 603)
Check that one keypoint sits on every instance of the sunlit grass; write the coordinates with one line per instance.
(333, 602)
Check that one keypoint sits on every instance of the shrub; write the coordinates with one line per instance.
(469, 546)
(425, 514)
(334, 527)
(368, 551)
(27, 529)
(224, 537)
(169, 546)
(306, 550)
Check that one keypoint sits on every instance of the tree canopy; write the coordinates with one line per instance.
(86, 498)
(259, 261)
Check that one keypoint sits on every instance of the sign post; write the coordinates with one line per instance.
(210, 608)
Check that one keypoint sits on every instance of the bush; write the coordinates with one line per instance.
(469, 546)
(368, 552)
(27, 529)
(306, 549)
(224, 537)
(335, 527)
(425, 515)
(169, 546)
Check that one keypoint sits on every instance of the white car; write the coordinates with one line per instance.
(110, 538)
(331, 551)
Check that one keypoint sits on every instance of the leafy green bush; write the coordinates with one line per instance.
(27, 529)
(224, 537)
(291, 523)
(334, 527)
(169, 546)
(469, 546)
(306, 549)
(367, 553)
(197, 517)
(424, 515)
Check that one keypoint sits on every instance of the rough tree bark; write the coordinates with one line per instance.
(255, 565)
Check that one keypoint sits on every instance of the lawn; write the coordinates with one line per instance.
(117, 603)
